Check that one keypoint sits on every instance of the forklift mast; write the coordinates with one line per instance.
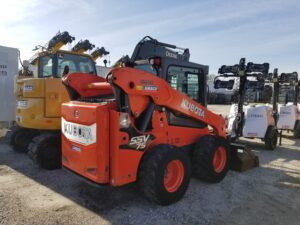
(242, 71)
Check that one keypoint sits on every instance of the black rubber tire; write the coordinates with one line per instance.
(297, 134)
(152, 172)
(202, 158)
(19, 138)
(297, 130)
(271, 138)
(45, 150)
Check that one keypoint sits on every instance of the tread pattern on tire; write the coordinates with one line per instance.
(16, 130)
(149, 167)
(271, 132)
(202, 158)
(35, 150)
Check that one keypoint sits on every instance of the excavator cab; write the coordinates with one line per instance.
(39, 98)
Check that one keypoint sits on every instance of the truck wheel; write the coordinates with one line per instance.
(19, 138)
(271, 138)
(164, 174)
(45, 150)
(210, 158)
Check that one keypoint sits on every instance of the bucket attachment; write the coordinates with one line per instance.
(242, 157)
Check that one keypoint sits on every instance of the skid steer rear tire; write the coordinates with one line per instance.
(45, 151)
(271, 138)
(164, 174)
(211, 158)
(19, 138)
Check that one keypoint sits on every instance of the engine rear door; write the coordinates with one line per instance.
(85, 135)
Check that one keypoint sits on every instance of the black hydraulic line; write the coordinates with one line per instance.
(147, 116)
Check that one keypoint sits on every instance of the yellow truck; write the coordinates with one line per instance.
(39, 98)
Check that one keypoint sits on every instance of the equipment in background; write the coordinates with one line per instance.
(155, 130)
(39, 98)
(8, 71)
(222, 89)
(289, 109)
(99, 53)
(251, 121)
(83, 46)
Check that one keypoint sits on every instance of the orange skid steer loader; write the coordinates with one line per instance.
(153, 130)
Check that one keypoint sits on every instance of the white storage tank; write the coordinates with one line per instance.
(8, 71)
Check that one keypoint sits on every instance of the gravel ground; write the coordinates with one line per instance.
(269, 194)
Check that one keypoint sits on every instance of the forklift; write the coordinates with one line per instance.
(289, 109)
(40, 95)
(251, 121)
(155, 131)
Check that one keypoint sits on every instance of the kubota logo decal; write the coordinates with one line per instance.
(85, 135)
(193, 108)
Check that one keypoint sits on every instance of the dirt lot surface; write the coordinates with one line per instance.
(269, 194)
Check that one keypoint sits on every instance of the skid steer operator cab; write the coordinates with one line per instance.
(172, 64)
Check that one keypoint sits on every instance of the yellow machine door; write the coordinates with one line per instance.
(55, 95)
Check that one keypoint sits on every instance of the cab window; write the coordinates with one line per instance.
(46, 66)
(76, 63)
(185, 80)
(54, 65)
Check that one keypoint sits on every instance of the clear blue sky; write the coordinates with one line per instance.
(216, 31)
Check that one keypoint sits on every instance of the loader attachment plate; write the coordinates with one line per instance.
(242, 157)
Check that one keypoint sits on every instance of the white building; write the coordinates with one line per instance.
(8, 71)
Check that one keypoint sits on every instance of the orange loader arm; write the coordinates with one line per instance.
(141, 85)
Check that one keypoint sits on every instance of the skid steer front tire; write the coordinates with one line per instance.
(164, 174)
(45, 151)
(211, 158)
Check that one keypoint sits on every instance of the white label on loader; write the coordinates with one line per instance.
(82, 134)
